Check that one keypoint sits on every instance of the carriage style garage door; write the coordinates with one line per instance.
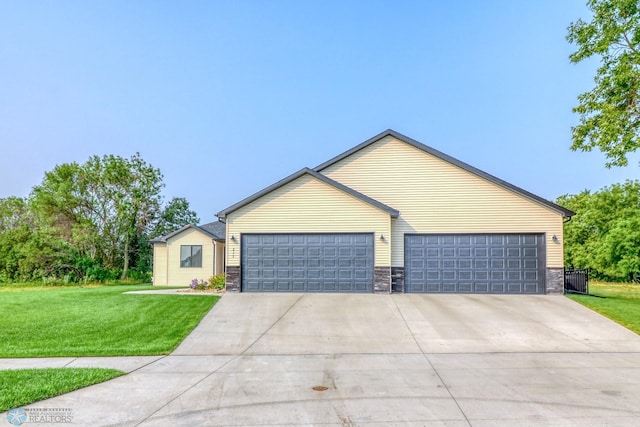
(307, 263)
(474, 263)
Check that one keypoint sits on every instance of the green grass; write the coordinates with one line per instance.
(24, 386)
(95, 321)
(62, 284)
(620, 302)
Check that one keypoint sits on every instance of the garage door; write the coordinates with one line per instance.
(307, 263)
(473, 263)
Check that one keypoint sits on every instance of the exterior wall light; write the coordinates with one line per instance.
(555, 239)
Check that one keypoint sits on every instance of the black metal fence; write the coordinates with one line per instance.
(576, 280)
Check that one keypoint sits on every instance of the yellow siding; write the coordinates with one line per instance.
(308, 205)
(179, 276)
(219, 258)
(434, 196)
(160, 264)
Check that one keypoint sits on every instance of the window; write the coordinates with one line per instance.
(191, 256)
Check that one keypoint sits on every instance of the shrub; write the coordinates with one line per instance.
(199, 284)
(217, 282)
(139, 275)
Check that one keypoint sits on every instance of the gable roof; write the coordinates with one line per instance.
(306, 171)
(445, 157)
(216, 230)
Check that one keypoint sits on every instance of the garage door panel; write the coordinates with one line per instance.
(345, 262)
(361, 275)
(345, 252)
(434, 275)
(465, 263)
(481, 264)
(530, 288)
(265, 252)
(449, 287)
(491, 263)
(268, 240)
(498, 288)
(284, 286)
(464, 252)
(313, 286)
(497, 264)
(313, 252)
(530, 275)
(481, 288)
(514, 288)
(362, 263)
(481, 275)
(307, 263)
(465, 274)
(479, 240)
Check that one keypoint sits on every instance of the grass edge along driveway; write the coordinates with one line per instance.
(20, 387)
(619, 302)
(96, 321)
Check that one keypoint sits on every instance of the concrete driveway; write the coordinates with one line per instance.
(429, 360)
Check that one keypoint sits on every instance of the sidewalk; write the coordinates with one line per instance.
(126, 364)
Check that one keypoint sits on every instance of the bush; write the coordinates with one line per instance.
(217, 282)
(139, 275)
(200, 285)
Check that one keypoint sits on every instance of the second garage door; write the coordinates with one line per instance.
(475, 263)
(307, 262)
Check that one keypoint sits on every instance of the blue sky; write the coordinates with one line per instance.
(226, 98)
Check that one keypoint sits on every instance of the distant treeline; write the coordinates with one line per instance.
(605, 233)
(88, 222)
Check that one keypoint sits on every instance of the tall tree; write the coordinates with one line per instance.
(610, 112)
(15, 231)
(137, 196)
(176, 214)
(100, 207)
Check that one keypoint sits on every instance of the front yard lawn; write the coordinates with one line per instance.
(24, 386)
(620, 302)
(95, 321)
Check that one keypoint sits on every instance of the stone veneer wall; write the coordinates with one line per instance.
(381, 280)
(232, 282)
(555, 281)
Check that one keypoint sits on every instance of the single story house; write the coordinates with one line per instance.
(392, 214)
(192, 252)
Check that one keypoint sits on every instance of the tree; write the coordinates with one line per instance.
(15, 231)
(100, 207)
(605, 233)
(13, 213)
(610, 112)
(137, 198)
(176, 214)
